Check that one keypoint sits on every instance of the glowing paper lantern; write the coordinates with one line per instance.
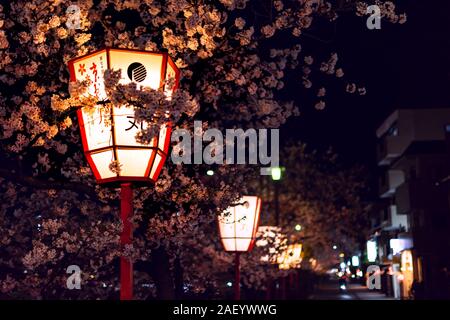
(238, 224)
(109, 134)
(291, 257)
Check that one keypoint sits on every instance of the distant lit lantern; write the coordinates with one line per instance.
(109, 135)
(291, 257)
(109, 132)
(238, 226)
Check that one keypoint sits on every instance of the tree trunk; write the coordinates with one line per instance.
(162, 275)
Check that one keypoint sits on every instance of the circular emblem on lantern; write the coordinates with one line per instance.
(136, 72)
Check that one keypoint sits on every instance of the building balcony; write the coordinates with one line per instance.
(394, 220)
(389, 182)
(389, 148)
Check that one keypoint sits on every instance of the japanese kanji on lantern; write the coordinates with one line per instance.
(109, 134)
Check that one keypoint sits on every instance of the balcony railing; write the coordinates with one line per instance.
(389, 148)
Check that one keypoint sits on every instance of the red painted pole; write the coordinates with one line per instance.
(126, 266)
(237, 280)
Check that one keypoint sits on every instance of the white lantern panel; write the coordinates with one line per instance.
(227, 230)
(92, 68)
(98, 134)
(102, 161)
(229, 244)
(134, 162)
(243, 244)
(143, 68)
(125, 127)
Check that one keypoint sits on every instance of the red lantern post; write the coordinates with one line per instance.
(108, 132)
(237, 274)
(126, 265)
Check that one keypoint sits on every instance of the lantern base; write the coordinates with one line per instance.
(117, 182)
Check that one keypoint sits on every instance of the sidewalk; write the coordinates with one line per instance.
(361, 292)
(329, 290)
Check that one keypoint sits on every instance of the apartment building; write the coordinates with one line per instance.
(410, 226)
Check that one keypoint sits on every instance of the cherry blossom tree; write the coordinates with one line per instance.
(52, 213)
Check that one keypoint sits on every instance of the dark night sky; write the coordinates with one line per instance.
(401, 66)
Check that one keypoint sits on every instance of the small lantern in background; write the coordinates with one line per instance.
(291, 257)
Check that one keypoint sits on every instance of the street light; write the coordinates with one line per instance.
(276, 173)
(108, 132)
(237, 227)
